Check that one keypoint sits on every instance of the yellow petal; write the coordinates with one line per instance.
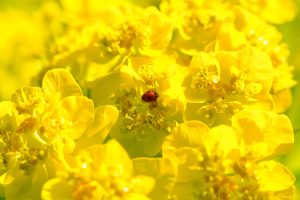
(21, 186)
(188, 134)
(282, 100)
(142, 184)
(104, 88)
(163, 170)
(75, 113)
(117, 159)
(60, 82)
(56, 189)
(105, 118)
(224, 139)
(258, 126)
(274, 177)
(135, 196)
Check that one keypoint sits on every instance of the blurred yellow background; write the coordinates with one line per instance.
(291, 33)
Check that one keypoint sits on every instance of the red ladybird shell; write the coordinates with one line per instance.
(150, 96)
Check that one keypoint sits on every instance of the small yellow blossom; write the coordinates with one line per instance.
(219, 85)
(225, 162)
(99, 48)
(197, 22)
(99, 172)
(143, 122)
(245, 29)
(37, 122)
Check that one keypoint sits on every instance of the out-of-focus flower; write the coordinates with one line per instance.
(232, 162)
(97, 48)
(245, 29)
(98, 172)
(221, 84)
(39, 118)
(212, 26)
(27, 28)
(21, 45)
(196, 23)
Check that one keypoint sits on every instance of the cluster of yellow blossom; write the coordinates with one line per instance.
(138, 100)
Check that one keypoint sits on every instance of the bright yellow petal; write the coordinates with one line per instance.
(142, 184)
(105, 118)
(188, 134)
(163, 170)
(274, 177)
(60, 82)
(56, 189)
(224, 139)
(117, 159)
(258, 126)
(75, 113)
(21, 186)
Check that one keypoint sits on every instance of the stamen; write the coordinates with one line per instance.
(30, 158)
(146, 72)
(140, 117)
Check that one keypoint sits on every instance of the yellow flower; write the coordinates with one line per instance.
(218, 85)
(227, 162)
(39, 122)
(245, 29)
(98, 172)
(196, 23)
(8, 142)
(95, 49)
(212, 26)
(265, 127)
(21, 154)
(150, 99)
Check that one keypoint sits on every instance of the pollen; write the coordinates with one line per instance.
(61, 123)
(147, 74)
(205, 80)
(217, 184)
(28, 99)
(130, 33)
(241, 183)
(248, 187)
(30, 158)
(143, 114)
(85, 190)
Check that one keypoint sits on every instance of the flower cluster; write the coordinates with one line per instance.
(134, 100)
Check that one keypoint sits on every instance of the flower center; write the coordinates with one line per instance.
(143, 114)
(29, 158)
(222, 97)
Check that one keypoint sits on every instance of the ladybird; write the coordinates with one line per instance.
(150, 96)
